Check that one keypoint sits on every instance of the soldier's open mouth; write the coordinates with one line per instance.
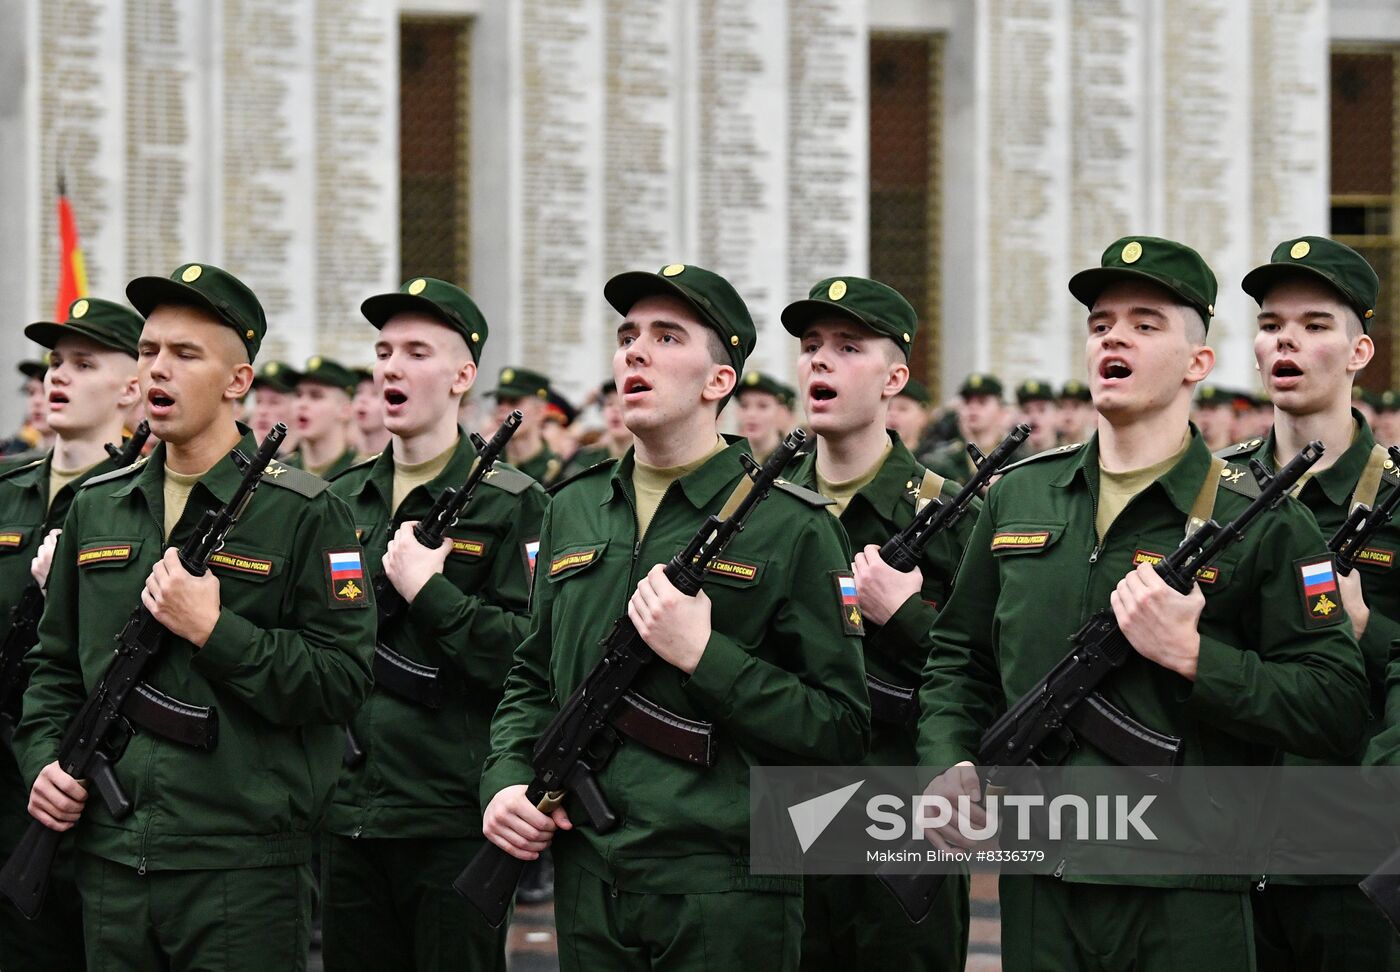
(1287, 369)
(1114, 368)
(822, 393)
(160, 401)
(635, 385)
(58, 398)
(395, 397)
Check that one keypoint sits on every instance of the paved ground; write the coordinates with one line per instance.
(532, 934)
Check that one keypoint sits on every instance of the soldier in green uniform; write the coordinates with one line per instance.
(34, 437)
(528, 391)
(1245, 665)
(274, 397)
(92, 382)
(764, 663)
(368, 409)
(324, 393)
(1316, 302)
(855, 337)
(907, 414)
(1075, 413)
(983, 419)
(406, 817)
(211, 869)
(1036, 400)
(765, 412)
(1213, 411)
(1388, 418)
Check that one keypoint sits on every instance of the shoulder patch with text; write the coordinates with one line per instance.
(1031, 540)
(1322, 601)
(345, 579)
(1368, 556)
(104, 554)
(851, 621)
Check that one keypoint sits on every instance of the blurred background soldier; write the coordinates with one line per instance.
(908, 414)
(1036, 400)
(765, 412)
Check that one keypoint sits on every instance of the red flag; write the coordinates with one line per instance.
(72, 277)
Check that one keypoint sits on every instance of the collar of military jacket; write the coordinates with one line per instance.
(699, 487)
(885, 492)
(221, 480)
(381, 476)
(1337, 481)
(1182, 483)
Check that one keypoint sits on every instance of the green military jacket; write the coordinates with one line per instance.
(1328, 496)
(544, 467)
(1276, 672)
(342, 462)
(895, 652)
(951, 460)
(26, 517)
(286, 666)
(422, 767)
(582, 459)
(781, 677)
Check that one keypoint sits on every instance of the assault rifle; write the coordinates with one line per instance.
(410, 680)
(23, 632)
(1066, 703)
(98, 735)
(1363, 524)
(565, 758)
(897, 704)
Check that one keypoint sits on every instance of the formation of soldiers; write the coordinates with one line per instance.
(398, 783)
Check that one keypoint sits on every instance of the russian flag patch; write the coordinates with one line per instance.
(345, 575)
(1322, 601)
(851, 621)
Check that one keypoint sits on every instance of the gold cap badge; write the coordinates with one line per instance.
(417, 287)
(191, 273)
(507, 374)
(1300, 250)
(314, 363)
(79, 309)
(734, 340)
(837, 290)
(672, 269)
(975, 381)
(1132, 252)
(272, 368)
(751, 378)
(1370, 314)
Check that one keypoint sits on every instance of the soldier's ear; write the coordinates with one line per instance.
(1363, 349)
(465, 378)
(130, 393)
(895, 380)
(240, 382)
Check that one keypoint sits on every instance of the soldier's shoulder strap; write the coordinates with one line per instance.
(21, 467)
(1378, 469)
(297, 480)
(925, 486)
(808, 496)
(583, 473)
(1240, 450)
(508, 479)
(1064, 450)
(111, 474)
(1237, 478)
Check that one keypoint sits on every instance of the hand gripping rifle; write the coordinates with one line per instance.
(410, 680)
(897, 704)
(1363, 524)
(1066, 703)
(579, 740)
(99, 733)
(23, 632)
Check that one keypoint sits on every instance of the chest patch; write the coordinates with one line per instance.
(468, 548)
(1322, 601)
(733, 568)
(345, 579)
(1206, 575)
(106, 553)
(1374, 556)
(243, 565)
(11, 538)
(848, 602)
(1033, 540)
(579, 559)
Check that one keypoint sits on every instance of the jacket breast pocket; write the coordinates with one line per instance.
(574, 560)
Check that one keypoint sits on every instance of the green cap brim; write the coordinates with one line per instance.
(799, 315)
(624, 290)
(380, 308)
(1259, 281)
(47, 334)
(1087, 285)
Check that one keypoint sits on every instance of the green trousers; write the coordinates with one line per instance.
(387, 905)
(1321, 928)
(253, 919)
(600, 927)
(1049, 925)
(854, 922)
(54, 940)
